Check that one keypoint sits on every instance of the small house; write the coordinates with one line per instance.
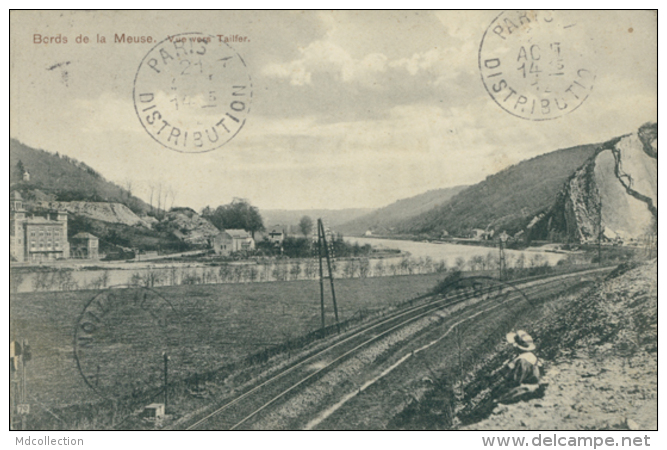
(478, 233)
(230, 241)
(154, 411)
(85, 246)
(276, 237)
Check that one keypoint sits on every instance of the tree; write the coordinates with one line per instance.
(520, 261)
(306, 225)
(350, 268)
(239, 214)
(20, 170)
(310, 269)
(379, 269)
(364, 267)
(295, 270)
(296, 247)
(127, 184)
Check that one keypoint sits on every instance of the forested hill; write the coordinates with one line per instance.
(55, 177)
(384, 220)
(331, 217)
(507, 200)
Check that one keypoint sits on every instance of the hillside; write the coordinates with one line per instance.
(97, 206)
(384, 220)
(332, 217)
(507, 200)
(569, 195)
(55, 177)
(600, 359)
(103, 211)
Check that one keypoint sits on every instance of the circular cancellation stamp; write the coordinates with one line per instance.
(535, 64)
(192, 93)
(119, 340)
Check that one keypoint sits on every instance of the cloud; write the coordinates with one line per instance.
(106, 113)
(350, 108)
(325, 57)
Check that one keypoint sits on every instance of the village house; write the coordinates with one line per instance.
(230, 241)
(477, 233)
(36, 238)
(84, 246)
(276, 237)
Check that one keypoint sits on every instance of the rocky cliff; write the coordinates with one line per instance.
(103, 211)
(188, 226)
(614, 193)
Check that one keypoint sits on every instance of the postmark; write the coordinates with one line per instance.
(192, 93)
(537, 65)
(120, 339)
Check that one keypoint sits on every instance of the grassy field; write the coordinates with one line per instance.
(208, 326)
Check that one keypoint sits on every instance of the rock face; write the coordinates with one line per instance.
(614, 193)
(105, 212)
(188, 226)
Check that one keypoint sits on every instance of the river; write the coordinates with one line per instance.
(417, 257)
(449, 252)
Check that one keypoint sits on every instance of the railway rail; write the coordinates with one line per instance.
(241, 410)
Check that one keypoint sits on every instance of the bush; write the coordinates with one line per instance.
(444, 285)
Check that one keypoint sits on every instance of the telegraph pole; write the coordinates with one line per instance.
(19, 354)
(502, 263)
(600, 235)
(23, 384)
(166, 362)
(323, 244)
(333, 292)
(319, 251)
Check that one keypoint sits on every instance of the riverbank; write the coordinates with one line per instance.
(388, 258)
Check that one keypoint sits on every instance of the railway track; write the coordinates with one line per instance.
(240, 411)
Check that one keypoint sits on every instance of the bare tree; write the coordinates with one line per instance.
(172, 192)
(379, 269)
(127, 185)
(364, 267)
(159, 197)
(295, 270)
(151, 187)
(310, 269)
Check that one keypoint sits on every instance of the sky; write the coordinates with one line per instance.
(349, 109)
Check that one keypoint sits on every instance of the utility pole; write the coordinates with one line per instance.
(502, 263)
(19, 354)
(319, 251)
(600, 234)
(166, 362)
(23, 387)
(323, 243)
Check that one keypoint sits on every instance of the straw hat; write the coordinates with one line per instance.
(521, 340)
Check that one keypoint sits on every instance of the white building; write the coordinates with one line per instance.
(230, 241)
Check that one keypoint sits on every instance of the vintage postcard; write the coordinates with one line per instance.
(333, 220)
